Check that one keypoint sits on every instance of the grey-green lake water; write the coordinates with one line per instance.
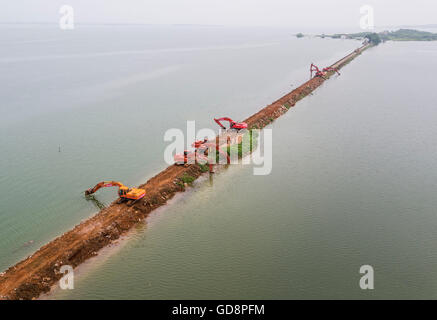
(353, 179)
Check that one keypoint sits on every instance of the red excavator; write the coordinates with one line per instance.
(232, 124)
(317, 73)
(204, 147)
(131, 195)
(189, 157)
(198, 143)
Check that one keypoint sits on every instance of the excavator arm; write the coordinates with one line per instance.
(104, 184)
(219, 122)
(328, 69)
(314, 69)
(232, 123)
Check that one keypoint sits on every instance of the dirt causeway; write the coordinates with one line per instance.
(37, 273)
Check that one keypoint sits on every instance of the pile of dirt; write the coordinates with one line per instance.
(39, 272)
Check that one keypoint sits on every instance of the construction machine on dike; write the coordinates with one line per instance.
(131, 195)
(200, 154)
(190, 157)
(321, 73)
(232, 124)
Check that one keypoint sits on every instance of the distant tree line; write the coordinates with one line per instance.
(399, 35)
(373, 38)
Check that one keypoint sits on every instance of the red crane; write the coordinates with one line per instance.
(321, 73)
(232, 124)
(198, 143)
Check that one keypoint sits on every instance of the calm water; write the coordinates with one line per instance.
(353, 180)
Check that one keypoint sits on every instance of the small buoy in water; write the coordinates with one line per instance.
(59, 149)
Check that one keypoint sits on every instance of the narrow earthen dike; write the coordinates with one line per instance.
(37, 273)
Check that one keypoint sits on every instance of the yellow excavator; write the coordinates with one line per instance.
(131, 195)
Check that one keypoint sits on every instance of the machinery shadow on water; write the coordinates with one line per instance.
(96, 202)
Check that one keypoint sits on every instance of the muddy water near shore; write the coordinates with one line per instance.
(353, 183)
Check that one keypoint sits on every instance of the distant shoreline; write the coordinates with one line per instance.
(398, 35)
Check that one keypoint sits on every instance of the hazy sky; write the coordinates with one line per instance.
(292, 13)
